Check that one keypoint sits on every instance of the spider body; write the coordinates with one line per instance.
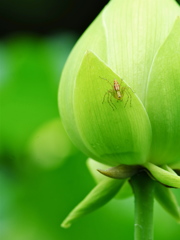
(118, 92)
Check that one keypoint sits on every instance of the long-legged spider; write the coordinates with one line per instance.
(117, 91)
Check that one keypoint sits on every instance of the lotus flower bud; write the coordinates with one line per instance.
(119, 92)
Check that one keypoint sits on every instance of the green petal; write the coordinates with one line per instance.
(165, 177)
(113, 132)
(163, 100)
(135, 29)
(168, 200)
(93, 39)
(99, 196)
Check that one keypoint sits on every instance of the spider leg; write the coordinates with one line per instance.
(127, 87)
(105, 96)
(110, 100)
(107, 81)
(108, 96)
(129, 97)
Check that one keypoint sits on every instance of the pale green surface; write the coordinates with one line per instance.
(71, 68)
(134, 30)
(163, 100)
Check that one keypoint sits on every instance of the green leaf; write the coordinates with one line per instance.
(168, 201)
(165, 177)
(99, 196)
(113, 132)
(163, 100)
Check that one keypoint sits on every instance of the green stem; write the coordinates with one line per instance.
(143, 188)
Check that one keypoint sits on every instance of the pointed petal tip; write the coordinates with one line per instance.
(107, 173)
(120, 172)
(104, 172)
(65, 224)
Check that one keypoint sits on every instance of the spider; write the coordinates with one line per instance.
(117, 91)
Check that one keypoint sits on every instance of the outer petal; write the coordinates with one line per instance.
(92, 39)
(163, 101)
(165, 176)
(112, 136)
(167, 200)
(100, 195)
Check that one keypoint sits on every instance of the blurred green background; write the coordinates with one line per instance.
(42, 175)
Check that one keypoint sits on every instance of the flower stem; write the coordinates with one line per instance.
(143, 188)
